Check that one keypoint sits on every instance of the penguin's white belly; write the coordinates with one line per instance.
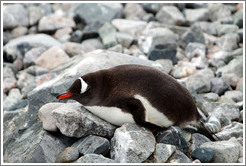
(152, 115)
(112, 115)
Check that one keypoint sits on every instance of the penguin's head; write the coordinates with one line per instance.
(76, 91)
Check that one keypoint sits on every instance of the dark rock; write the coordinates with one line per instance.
(92, 144)
(173, 136)
(108, 35)
(76, 36)
(240, 34)
(14, 15)
(194, 34)
(195, 5)
(219, 86)
(138, 143)
(54, 22)
(197, 140)
(156, 54)
(94, 158)
(70, 154)
(91, 30)
(170, 15)
(94, 12)
(203, 154)
(152, 7)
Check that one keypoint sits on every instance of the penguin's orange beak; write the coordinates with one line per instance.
(64, 96)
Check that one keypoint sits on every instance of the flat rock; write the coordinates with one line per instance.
(131, 27)
(223, 29)
(138, 143)
(174, 137)
(70, 154)
(98, 12)
(219, 11)
(170, 15)
(52, 58)
(92, 145)
(93, 44)
(163, 152)
(75, 121)
(225, 151)
(54, 22)
(166, 53)
(94, 158)
(14, 15)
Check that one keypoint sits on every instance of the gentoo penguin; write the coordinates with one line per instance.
(135, 94)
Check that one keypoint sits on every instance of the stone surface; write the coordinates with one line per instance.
(203, 154)
(14, 15)
(134, 11)
(163, 152)
(156, 54)
(11, 101)
(52, 58)
(36, 70)
(195, 50)
(131, 27)
(223, 29)
(19, 31)
(211, 97)
(233, 130)
(75, 121)
(35, 13)
(45, 115)
(32, 55)
(138, 143)
(238, 18)
(54, 22)
(232, 78)
(240, 85)
(234, 66)
(194, 15)
(63, 34)
(179, 157)
(108, 35)
(166, 64)
(90, 45)
(225, 151)
(201, 81)
(228, 42)
(219, 86)
(102, 12)
(197, 140)
(70, 154)
(92, 145)
(173, 136)
(73, 49)
(91, 30)
(170, 15)
(94, 158)
(152, 7)
(234, 95)
(9, 80)
(124, 39)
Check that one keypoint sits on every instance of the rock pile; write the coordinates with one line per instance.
(47, 46)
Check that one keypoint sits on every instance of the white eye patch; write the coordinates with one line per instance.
(84, 85)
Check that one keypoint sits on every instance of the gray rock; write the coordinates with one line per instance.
(131, 27)
(173, 136)
(46, 8)
(54, 22)
(219, 86)
(219, 11)
(48, 91)
(33, 145)
(166, 64)
(108, 35)
(93, 12)
(45, 115)
(14, 15)
(225, 151)
(25, 90)
(134, 11)
(179, 157)
(76, 36)
(195, 50)
(201, 81)
(228, 42)
(24, 79)
(194, 34)
(163, 152)
(203, 154)
(166, 53)
(94, 158)
(170, 15)
(152, 7)
(124, 39)
(235, 95)
(223, 29)
(228, 110)
(92, 145)
(197, 140)
(70, 154)
(232, 78)
(52, 58)
(12, 100)
(35, 14)
(211, 97)
(194, 15)
(235, 129)
(19, 31)
(234, 66)
(92, 45)
(9, 80)
(63, 34)
(73, 49)
(238, 18)
(36, 70)
(183, 69)
(32, 55)
(91, 30)
(240, 85)
(6, 37)
(116, 48)
(138, 143)
(75, 121)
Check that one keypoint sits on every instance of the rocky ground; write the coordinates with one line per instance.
(47, 46)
